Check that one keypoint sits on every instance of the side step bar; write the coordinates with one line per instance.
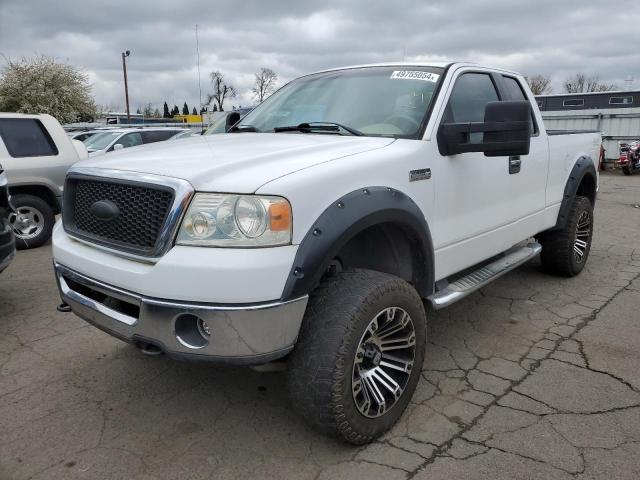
(482, 276)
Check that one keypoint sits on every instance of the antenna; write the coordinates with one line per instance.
(199, 84)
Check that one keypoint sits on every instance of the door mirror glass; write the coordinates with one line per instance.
(506, 131)
(118, 146)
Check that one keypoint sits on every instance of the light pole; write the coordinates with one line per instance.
(125, 54)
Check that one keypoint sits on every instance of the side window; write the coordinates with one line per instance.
(130, 140)
(157, 136)
(470, 95)
(515, 92)
(26, 137)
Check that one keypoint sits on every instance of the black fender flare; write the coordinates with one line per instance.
(350, 215)
(583, 166)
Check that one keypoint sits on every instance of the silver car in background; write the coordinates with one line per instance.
(117, 139)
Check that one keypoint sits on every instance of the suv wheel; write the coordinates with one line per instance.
(32, 221)
(359, 355)
(565, 252)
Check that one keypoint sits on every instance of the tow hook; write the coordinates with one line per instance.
(149, 349)
(64, 308)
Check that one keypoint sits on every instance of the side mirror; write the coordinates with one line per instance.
(506, 131)
(231, 120)
(118, 146)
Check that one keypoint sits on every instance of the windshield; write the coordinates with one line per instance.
(377, 101)
(100, 141)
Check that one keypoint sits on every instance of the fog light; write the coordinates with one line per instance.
(203, 328)
(192, 331)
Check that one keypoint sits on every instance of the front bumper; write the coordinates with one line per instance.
(240, 334)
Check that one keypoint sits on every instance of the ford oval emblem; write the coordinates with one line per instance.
(105, 210)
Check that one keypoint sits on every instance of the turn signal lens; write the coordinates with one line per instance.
(280, 216)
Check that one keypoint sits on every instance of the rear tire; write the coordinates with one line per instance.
(626, 170)
(565, 252)
(339, 355)
(33, 221)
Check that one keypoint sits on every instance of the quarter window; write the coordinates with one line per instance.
(514, 91)
(26, 137)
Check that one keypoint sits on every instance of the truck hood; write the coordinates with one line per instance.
(236, 162)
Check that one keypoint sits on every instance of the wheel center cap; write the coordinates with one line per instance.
(372, 355)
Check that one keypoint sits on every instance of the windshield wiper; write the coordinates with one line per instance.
(321, 126)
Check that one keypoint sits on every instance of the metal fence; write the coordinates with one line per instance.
(616, 125)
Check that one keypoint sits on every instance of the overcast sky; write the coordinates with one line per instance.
(556, 37)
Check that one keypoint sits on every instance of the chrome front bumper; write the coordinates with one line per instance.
(240, 334)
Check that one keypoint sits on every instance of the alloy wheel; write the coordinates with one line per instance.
(27, 222)
(383, 362)
(583, 234)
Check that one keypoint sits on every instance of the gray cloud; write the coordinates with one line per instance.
(293, 38)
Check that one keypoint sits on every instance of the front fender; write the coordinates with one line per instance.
(350, 215)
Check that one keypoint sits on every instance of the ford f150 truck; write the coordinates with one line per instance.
(320, 224)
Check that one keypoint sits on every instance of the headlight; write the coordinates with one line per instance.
(222, 220)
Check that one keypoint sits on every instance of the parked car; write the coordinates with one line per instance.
(83, 135)
(117, 139)
(7, 241)
(36, 154)
(317, 228)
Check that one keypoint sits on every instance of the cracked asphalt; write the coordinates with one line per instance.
(532, 377)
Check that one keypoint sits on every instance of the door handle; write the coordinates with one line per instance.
(514, 164)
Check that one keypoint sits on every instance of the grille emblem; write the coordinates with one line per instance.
(105, 210)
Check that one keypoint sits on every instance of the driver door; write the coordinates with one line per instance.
(472, 190)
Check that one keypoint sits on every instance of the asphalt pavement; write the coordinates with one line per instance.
(532, 377)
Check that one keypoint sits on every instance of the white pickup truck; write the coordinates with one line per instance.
(317, 228)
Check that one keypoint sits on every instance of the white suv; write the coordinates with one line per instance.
(36, 154)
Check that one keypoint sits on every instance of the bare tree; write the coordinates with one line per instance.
(221, 90)
(539, 84)
(43, 85)
(582, 83)
(265, 84)
(147, 110)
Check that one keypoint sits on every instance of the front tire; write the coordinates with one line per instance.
(565, 252)
(359, 355)
(626, 170)
(32, 222)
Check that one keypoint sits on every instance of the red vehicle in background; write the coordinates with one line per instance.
(629, 160)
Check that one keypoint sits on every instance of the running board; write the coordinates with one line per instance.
(482, 276)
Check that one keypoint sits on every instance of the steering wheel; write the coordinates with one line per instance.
(403, 122)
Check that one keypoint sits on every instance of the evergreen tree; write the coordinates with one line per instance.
(194, 111)
(185, 109)
(166, 113)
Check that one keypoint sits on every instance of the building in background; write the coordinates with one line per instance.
(615, 114)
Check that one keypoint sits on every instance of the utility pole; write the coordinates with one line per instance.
(126, 88)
